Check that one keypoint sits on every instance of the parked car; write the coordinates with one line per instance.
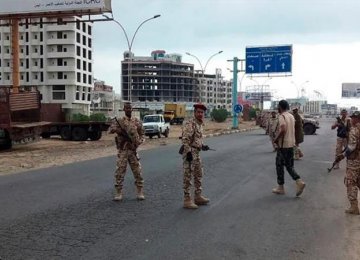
(155, 125)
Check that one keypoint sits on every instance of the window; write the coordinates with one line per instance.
(65, 63)
(90, 42)
(41, 76)
(78, 51)
(65, 36)
(41, 50)
(22, 50)
(84, 53)
(35, 36)
(41, 36)
(8, 37)
(27, 50)
(64, 49)
(58, 92)
(59, 62)
(89, 55)
(78, 64)
(78, 24)
(84, 78)
(22, 37)
(59, 35)
(21, 64)
(78, 37)
(41, 63)
(27, 77)
(7, 50)
(90, 79)
(90, 67)
(84, 40)
(84, 27)
(35, 63)
(27, 37)
(35, 76)
(36, 50)
(27, 63)
(88, 99)
(41, 23)
(89, 30)
(78, 77)
(59, 48)
(77, 95)
(84, 65)
(22, 76)
(60, 75)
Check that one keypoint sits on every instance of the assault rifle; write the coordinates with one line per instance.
(123, 134)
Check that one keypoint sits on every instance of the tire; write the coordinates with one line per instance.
(79, 134)
(166, 134)
(309, 129)
(7, 144)
(65, 133)
(46, 135)
(151, 136)
(159, 133)
(95, 135)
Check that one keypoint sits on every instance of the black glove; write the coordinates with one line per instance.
(205, 148)
(189, 157)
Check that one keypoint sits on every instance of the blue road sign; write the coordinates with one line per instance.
(271, 59)
(238, 108)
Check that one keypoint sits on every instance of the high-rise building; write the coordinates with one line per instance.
(157, 79)
(215, 91)
(56, 56)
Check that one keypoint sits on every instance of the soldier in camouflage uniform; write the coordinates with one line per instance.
(343, 125)
(272, 128)
(130, 134)
(192, 139)
(352, 153)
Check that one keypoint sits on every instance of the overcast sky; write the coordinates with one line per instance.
(325, 36)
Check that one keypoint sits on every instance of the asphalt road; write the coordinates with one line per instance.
(68, 213)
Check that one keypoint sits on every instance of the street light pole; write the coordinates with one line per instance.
(130, 44)
(203, 68)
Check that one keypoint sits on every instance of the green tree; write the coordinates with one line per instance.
(219, 115)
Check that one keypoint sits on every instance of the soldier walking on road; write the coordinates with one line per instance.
(343, 125)
(352, 153)
(299, 134)
(192, 139)
(130, 134)
(285, 141)
(272, 128)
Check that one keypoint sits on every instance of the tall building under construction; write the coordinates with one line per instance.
(159, 78)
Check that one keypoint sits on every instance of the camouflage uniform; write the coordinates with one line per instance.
(352, 178)
(341, 142)
(192, 139)
(273, 125)
(127, 150)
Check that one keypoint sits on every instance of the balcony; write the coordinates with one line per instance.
(61, 68)
(60, 54)
(70, 41)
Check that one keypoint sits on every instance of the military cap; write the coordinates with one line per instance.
(356, 114)
(200, 106)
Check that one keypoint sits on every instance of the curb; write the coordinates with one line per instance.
(228, 132)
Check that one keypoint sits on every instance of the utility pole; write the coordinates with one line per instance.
(235, 61)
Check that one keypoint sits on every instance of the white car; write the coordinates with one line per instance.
(155, 125)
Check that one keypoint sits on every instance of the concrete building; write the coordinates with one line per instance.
(214, 90)
(157, 79)
(103, 99)
(54, 56)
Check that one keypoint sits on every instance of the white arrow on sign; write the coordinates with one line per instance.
(251, 67)
(283, 65)
(267, 66)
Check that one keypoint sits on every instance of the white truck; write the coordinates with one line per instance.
(155, 125)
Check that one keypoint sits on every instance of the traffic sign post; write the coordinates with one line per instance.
(238, 108)
(234, 93)
(271, 59)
